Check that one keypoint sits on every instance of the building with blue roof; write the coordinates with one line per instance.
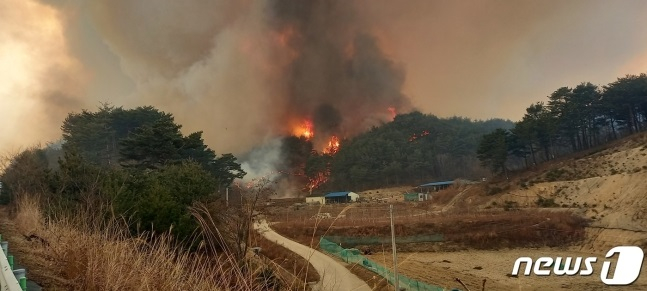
(341, 197)
(436, 186)
(333, 197)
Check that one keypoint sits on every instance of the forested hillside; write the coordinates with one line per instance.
(573, 119)
(413, 148)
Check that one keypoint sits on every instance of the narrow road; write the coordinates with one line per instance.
(334, 276)
(458, 196)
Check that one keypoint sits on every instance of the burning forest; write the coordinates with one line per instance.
(314, 70)
(283, 85)
(171, 125)
(336, 82)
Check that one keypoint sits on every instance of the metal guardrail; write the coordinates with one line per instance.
(10, 279)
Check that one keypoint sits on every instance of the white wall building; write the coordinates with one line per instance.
(316, 200)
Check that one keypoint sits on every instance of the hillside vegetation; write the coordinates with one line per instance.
(574, 119)
(413, 148)
(128, 201)
(605, 185)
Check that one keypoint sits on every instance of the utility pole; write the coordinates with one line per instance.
(395, 255)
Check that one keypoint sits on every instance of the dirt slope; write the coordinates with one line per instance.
(609, 187)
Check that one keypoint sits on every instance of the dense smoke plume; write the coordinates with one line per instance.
(248, 71)
(338, 77)
(39, 79)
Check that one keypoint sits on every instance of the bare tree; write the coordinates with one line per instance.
(229, 226)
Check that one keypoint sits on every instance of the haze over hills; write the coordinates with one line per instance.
(478, 60)
(175, 122)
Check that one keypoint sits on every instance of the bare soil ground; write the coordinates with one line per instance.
(393, 194)
(607, 186)
(357, 211)
(472, 266)
(483, 230)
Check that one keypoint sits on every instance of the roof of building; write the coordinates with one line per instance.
(337, 194)
(437, 184)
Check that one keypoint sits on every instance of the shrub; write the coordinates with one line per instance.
(555, 174)
(510, 205)
(158, 200)
(545, 202)
(496, 190)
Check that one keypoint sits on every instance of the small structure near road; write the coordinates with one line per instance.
(416, 196)
(316, 199)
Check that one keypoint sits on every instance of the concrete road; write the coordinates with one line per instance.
(334, 276)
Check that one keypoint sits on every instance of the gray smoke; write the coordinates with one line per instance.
(339, 76)
(263, 160)
(247, 71)
(244, 72)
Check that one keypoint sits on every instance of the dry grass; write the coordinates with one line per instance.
(299, 268)
(375, 281)
(483, 230)
(92, 256)
(28, 216)
(443, 197)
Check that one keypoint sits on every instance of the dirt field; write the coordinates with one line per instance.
(472, 266)
(356, 211)
(607, 186)
(393, 194)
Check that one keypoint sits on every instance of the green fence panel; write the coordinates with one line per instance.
(354, 256)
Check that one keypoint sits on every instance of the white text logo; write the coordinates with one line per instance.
(627, 268)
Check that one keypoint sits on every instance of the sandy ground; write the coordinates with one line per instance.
(609, 187)
(334, 275)
(393, 194)
(440, 268)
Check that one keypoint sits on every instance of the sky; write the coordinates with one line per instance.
(221, 66)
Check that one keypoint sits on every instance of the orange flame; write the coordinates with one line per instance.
(318, 180)
(333, 145)
(393, 112)
(283, 39)
(415, 136)
(306, 129)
